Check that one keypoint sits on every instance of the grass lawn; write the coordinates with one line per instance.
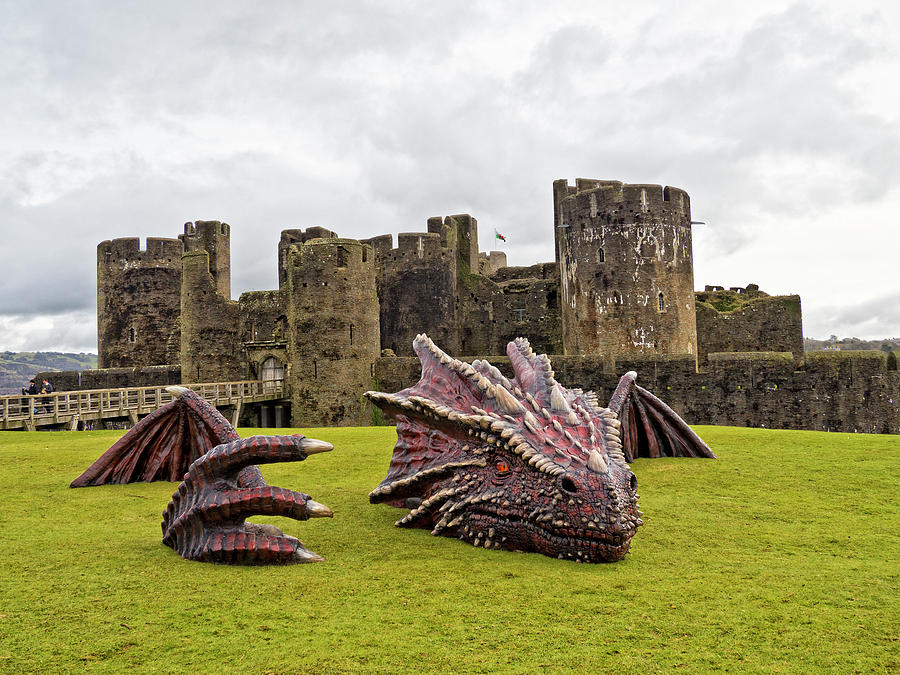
(781, 556)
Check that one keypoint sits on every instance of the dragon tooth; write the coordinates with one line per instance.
(572, 418)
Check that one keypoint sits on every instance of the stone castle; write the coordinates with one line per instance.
(619, 295)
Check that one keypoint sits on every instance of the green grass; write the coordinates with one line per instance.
(781, 556)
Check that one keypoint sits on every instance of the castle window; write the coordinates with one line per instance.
(617, 298)
(365, 253)
(131, 335)
(224, 228)
(661, 302)
(601, 255)
(351, 333)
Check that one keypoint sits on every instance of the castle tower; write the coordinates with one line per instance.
(138, 301)
(333, 337)
(211, 347)
(626, 268)
(214, 237)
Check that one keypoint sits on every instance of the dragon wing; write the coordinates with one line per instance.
(163, 444)
(650, 428)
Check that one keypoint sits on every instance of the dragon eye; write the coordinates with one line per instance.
(502, 467)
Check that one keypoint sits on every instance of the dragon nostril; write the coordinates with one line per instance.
(633, 483)
(569, 485)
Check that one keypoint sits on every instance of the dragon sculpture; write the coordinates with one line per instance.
(523, 464)
(205, 520)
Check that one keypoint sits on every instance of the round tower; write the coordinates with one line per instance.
(626, 268)
(333, 337)
(138, 301)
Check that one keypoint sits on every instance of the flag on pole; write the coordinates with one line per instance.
(499, 236)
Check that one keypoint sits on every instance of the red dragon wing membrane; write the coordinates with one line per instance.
(650, 428)
(163, 445)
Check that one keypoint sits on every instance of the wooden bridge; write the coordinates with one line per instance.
(83, 409)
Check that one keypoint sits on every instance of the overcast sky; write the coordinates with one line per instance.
(120, 119)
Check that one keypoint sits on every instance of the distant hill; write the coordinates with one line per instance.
(16, 368)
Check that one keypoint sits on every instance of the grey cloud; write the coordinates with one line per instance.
(878, 317)
(360, 117)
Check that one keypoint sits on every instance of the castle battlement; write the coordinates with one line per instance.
(415, 247)
(322, 256)
(615, 197)
(128, 249)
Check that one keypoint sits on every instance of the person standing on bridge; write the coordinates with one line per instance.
(32, 390)
(46, 388)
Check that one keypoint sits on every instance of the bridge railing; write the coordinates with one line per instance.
(129, 399)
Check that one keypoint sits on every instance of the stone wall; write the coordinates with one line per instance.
(830, 391)
(263, 316)
(112, 378)
(764, 323)
(211, 345)
(416, 284)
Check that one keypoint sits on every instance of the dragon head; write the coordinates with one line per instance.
(521, 464)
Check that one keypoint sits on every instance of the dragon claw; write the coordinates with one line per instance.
(205, 520)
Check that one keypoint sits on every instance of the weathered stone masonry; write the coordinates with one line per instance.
(619, 296)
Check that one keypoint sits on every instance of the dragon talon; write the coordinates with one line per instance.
(205, 520)
(317, 510)
(312, 446)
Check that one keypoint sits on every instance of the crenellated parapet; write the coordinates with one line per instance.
(128, 250)
(622, 202)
